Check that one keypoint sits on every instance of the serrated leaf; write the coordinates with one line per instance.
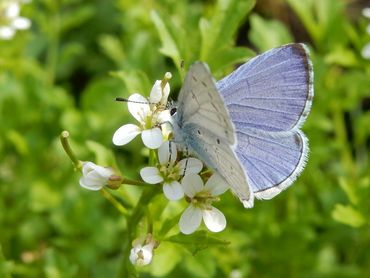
(197, 241)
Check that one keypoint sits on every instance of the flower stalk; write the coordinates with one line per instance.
(67, 148)
(107, 195)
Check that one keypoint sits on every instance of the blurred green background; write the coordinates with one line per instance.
(64, 73)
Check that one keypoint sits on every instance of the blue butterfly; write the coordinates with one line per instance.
(246, 127)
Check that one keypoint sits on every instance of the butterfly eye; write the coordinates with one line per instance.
(173, 111)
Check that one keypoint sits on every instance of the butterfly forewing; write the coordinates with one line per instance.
(205, 127)
(220, 156)
(271, 92)
(199, 102)
(268, 99)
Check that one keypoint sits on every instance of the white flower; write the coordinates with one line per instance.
(95, 177)
(366, 51)
(169, 172)
(142, 255)
(9, 11)
(159, 93)
(201, 196)
(149, 113)
(366, 12)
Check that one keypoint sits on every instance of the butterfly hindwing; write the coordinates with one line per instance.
(269, 98)
(272, 161)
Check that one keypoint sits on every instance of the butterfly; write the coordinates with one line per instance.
(246, 127)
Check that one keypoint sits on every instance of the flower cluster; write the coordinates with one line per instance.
(181, 176)
(366, 50)
(150, 113)
(10, 21)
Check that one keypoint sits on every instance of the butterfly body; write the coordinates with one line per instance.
(246, 126)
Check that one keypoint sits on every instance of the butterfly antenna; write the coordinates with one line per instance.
(132, 101)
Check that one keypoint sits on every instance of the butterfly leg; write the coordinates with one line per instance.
(187, 160)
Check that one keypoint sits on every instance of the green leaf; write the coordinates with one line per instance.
(267, 34)
(341, 56)
(348, 215)
(218, 32)
(169, 47)
(230, 56)
(167, 225)
(113, 48)
(104, 156)
(197, 241)
(165, 258)
(6, 267)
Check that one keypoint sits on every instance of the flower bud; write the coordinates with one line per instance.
(95, 177)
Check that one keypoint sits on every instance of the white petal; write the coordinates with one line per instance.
(103, 172)
(164, 117)
(156, 92)
(366, 51)
(152, 138)
(151, 175)
(141, 255)
(216, 185)
(214, 220)
(21, 23)
(164, 153)
(366, 12)
(87, 167)
(6, 33)
(138, 107)
(125, 134)
(190, 165)
(166, 92)
(190, 220)
(90, 184)
(12, 10)
(173, 191)
(192, 184)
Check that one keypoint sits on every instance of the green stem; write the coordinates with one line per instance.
(341, 134)
(134, 182)
(67, 148)
(150, 221)
(107, 195)
(52, 54)
(127, 269)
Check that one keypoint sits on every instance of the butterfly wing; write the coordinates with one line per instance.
(271, 92)
(273, 160)
(200, 102)
(269, 98)
(205, 126)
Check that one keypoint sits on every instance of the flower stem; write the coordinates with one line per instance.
(67, 148)
(150, 221)
(134, 182)
(107, 195)
(166, 78)
(127, 269)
